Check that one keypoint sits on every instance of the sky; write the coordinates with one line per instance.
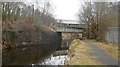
(63, 9)
(66, 9)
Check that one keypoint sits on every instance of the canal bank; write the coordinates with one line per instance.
(87, 53)
(80, 54)
(32, 49)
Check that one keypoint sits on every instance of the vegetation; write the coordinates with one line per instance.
(80, 54)
(22, 22)
(98, 16)
(110, 49)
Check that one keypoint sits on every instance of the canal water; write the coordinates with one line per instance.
(57, 58)
(35, 55)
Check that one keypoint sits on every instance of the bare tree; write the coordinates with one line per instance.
(23, 23)
(98, 16)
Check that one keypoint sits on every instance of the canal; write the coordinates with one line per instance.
(58, 57)
(44, 53)
(36, 55)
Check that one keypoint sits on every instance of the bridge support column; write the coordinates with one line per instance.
(60, 40)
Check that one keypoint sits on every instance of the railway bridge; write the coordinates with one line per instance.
(70, 28)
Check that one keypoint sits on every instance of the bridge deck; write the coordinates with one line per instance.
(63, 27)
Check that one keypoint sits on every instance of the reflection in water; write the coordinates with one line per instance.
(34, 55)
(55, 60)
(58, 57)
(26, 55)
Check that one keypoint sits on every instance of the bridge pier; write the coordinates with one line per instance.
(59, 40)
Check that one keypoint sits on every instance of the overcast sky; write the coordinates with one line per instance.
(66, 9)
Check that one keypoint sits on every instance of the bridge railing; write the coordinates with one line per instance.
(65, 29)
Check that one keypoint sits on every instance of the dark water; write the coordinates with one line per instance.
(26, 55)
(43, 54)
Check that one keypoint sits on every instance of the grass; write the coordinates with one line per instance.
(111, 49)
(80, 54)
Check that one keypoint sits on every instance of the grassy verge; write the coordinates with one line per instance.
(80, 54)
(111, 49)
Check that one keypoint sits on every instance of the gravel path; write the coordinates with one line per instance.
(101, 54)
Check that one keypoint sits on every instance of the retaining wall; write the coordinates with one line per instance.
(112, 35)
